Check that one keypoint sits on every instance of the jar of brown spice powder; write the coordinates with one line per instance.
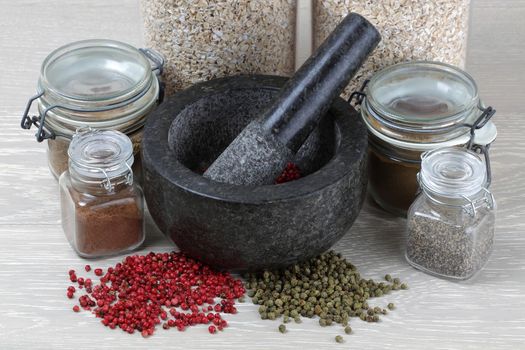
(411, 108)
(102, 209)
(101, 84)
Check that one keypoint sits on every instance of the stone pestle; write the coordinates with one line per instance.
(262, 150)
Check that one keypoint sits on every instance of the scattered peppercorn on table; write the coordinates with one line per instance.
(486, 312)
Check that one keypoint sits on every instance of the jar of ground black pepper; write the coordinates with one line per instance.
(102, 209)
(450, 226)
(101, 84)
(413, 107)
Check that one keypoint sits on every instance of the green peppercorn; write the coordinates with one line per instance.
(404, 286)
(339, 339)
(391, 306)
(348, 330)
(282, 328)
(327, 286)
(375, 318)
(322, 322)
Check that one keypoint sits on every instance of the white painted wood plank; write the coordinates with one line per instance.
(487, 312)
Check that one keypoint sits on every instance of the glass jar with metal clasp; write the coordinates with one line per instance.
(411, 108)
(102, 207)
(450, 225)
(100, 84)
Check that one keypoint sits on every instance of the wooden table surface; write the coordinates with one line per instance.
(487, 312)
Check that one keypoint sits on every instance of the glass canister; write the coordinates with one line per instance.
(413, 107)
(450, 226)
(102, 209)
(101, 84)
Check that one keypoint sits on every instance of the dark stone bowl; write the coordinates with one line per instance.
(249, 227)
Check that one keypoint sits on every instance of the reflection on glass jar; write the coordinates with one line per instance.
(411, 108)
(96, 84)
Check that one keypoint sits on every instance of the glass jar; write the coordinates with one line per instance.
(102, 210)
(101, 84)
(411, 108)
(450, 226)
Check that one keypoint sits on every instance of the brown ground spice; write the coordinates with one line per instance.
(392, 183)
(105, 227)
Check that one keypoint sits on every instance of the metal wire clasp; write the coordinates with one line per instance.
(359, 95)
(156, 58)
(27, 121)
(484, 117)
(474, 204)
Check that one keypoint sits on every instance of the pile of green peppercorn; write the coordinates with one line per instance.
(327, 286)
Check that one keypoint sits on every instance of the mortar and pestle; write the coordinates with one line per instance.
(248, 128)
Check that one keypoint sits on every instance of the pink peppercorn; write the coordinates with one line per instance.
(142, 290)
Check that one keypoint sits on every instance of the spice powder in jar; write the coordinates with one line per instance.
(413, 107)
(99, 84)
(102, 209)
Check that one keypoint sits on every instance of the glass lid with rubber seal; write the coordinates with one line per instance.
(95, 70)
(423, 93)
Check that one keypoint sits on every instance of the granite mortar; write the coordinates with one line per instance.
(249, 227)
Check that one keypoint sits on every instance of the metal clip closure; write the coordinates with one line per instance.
(156, 58)
(485, 116)
(473, 205)
(359, 95)
(28, 121)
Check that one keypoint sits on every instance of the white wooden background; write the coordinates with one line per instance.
(485, 313)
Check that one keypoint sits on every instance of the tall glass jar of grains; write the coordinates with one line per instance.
(413, 107)
(101, 84)
(451, 223)
(102, 209)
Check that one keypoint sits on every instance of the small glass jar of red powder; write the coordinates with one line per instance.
(102, 209)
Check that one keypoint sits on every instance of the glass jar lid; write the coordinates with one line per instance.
(95, 70)
(422, 93)
(424, 105)
(101, 157)
(452, 172)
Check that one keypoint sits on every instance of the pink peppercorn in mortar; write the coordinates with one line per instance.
(167, 289)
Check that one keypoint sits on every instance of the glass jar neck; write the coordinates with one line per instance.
(98, 187)
(470, 205)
